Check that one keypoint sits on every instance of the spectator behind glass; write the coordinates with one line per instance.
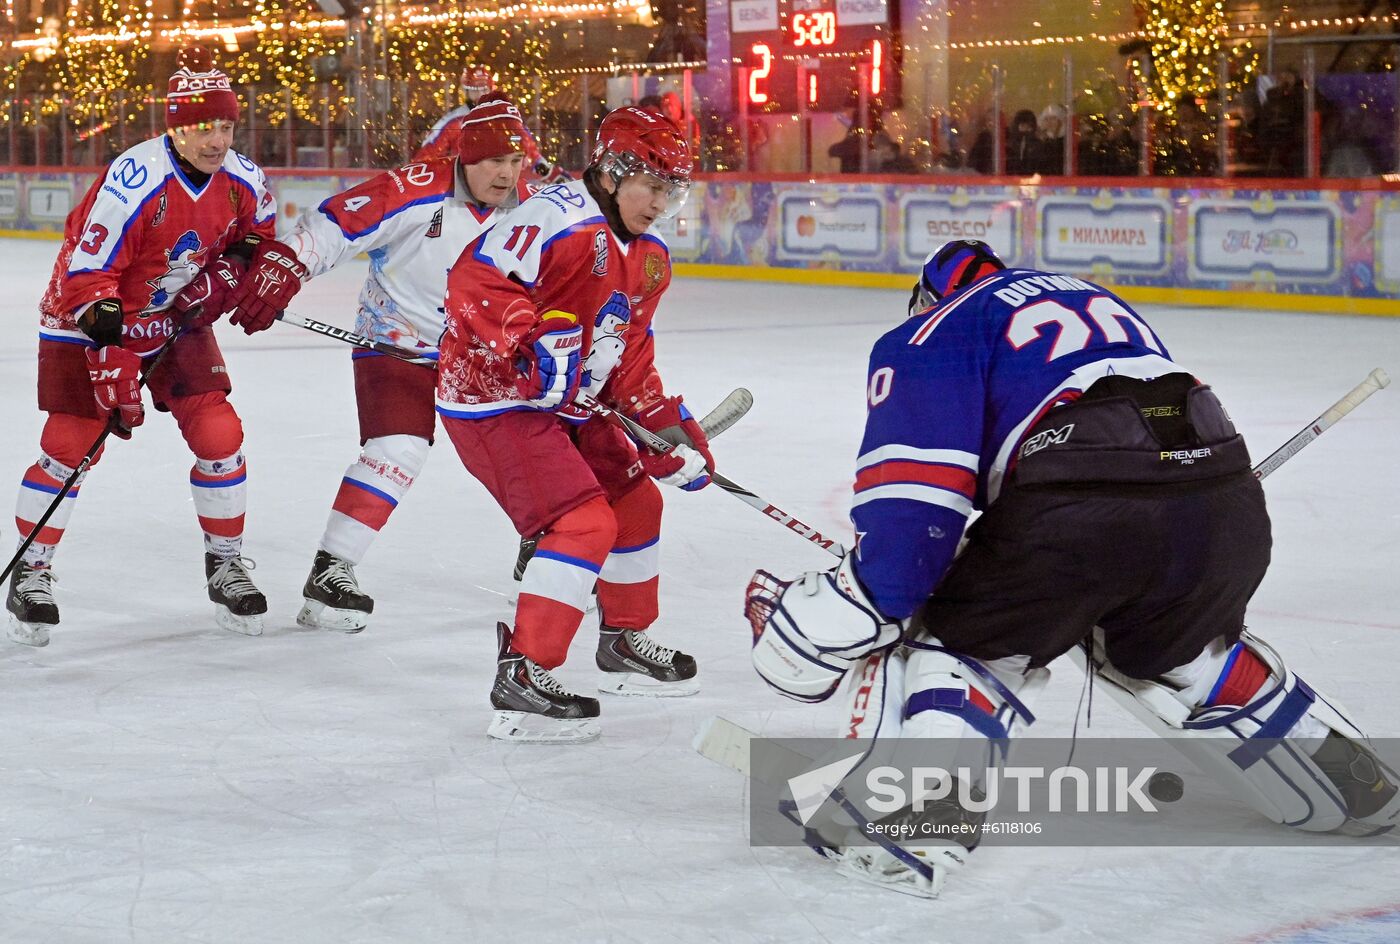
(890, 158)
(1052, 140)
(1281, 126)
(1023, 145)
(848, 149)
(690, 128)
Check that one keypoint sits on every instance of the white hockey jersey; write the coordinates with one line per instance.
(413, 221)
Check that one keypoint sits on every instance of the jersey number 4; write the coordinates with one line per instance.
(1071, 330)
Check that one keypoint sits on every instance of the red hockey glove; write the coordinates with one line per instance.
(268, 286)
(205, 300)
(669, 419)
(549, 359)
(116, 385)
(551, 174)
(686, 465)
(680, 466)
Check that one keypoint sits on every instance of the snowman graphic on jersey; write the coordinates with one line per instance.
(180, 271)
(608, 343)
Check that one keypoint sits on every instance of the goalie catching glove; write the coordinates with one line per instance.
(809, 631)
(688, 462)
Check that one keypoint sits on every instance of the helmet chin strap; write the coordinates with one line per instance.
(607, 202)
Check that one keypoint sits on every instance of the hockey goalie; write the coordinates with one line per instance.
(1119, 517)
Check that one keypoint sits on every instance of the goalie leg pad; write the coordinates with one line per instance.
(933, 693)
(1289, 752)
(809, 631)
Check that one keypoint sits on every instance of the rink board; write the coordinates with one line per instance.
(1263, 244)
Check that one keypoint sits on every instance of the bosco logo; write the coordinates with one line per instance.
(806, 226)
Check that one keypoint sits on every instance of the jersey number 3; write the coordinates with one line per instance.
(1071, 331)
(96, 236)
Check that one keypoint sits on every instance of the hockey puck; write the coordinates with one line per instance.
(1165, 786)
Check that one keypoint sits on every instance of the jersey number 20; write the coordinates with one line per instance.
(1071, 331)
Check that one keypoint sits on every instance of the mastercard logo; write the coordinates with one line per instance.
(806, 226)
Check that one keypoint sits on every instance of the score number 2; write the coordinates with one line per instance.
(760, 74)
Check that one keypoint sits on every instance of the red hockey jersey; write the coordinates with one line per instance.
(142, 233)
(555, 252)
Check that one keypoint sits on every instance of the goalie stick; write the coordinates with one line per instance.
(1374, 381)
(728, 412)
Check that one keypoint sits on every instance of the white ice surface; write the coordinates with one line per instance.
(163, 781)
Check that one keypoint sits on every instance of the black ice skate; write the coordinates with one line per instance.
(238, 605)
(333, 597)
(635, 665)
(1367, 786)
(530, 703)
(527, 551)
(31, 605)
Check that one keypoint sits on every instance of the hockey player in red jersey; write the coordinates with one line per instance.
(177, 231)
(477, 84)
(414, 222)
(558, 297)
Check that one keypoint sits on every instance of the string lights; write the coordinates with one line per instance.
(1186, 40)
(101, 67)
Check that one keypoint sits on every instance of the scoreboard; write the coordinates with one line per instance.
(807, 54)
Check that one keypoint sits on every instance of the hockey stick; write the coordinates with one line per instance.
(728, 412)
(113, 421)
(654, 442)
(1374, 381)
(357, 340)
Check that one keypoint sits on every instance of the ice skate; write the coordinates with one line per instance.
(531, 705)
(333, 597)
(31, 605)
(238, 605)
(1366, 785)
(632, 664)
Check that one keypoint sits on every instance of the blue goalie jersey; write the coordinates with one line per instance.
(951, 394)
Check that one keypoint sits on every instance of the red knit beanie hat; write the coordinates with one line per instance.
(493, 128)
(198, 92)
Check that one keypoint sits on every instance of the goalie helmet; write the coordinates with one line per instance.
(958, 264)
(634, 140)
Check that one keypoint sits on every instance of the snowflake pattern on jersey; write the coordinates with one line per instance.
(481, 374)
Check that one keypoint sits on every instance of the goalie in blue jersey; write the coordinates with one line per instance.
(1119, 517)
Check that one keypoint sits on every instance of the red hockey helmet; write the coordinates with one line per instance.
(476, 82)
(635, 140)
